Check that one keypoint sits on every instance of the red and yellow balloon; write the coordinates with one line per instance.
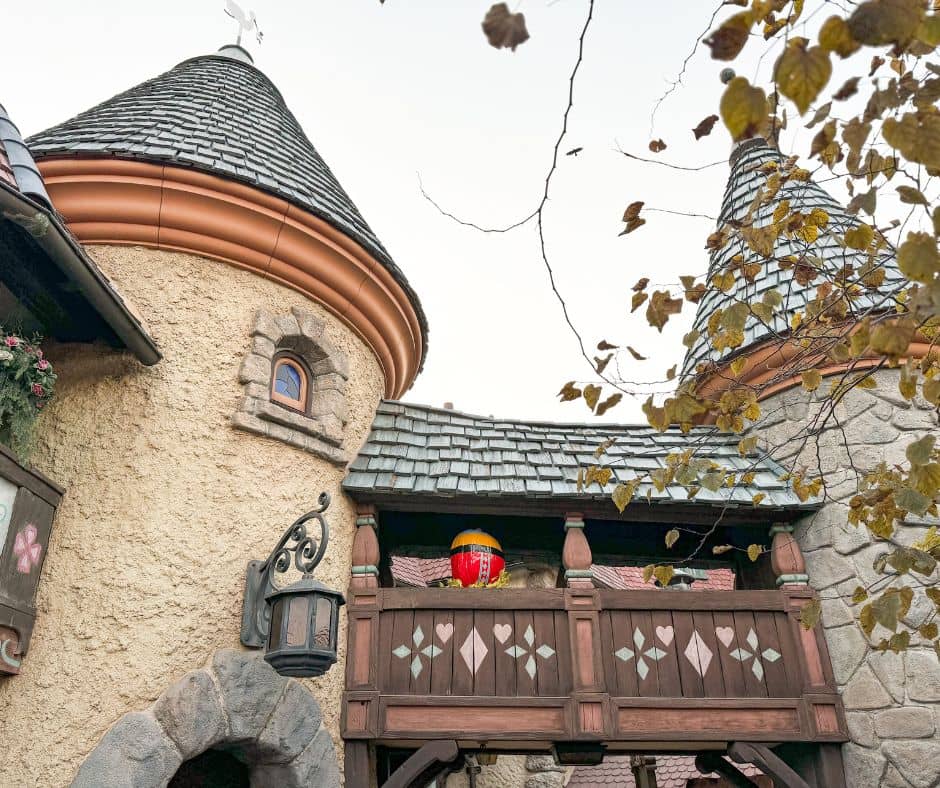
(476, 559)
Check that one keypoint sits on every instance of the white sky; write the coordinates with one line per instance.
(386, 92)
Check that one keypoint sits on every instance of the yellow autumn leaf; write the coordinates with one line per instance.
(929, 631)
(879, 22)
(859, 595)
(755, 501)
(802, 72)
(916, 135)
(812, 379)
(648, 572)
(809, 615)
(834, 36)
(729, 39)
(920, 451)
(569, 392)
(892, 337)
(637, 301)
(859, 237)
(623, 493)
(754, 551)
(661, 306)
(672, 536)
(721, 549)
(743, 108)
(738, 365)
(918, 258)
(591, 395)
(663, 575)
(608, 403)
(747, 446)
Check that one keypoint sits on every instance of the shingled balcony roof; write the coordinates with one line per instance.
(220, 115)
(827, 252)
(418, 451)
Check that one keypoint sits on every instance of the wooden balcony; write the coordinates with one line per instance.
(520, 669)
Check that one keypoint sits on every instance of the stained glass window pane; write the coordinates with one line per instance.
(287, 382)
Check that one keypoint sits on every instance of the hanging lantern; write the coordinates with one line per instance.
(476, 558)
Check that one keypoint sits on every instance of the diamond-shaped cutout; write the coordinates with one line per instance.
(698, 653)
(770, 655)
(545, 651)
(416, 666)
(418, 636)
(757, 669)
(752, 640)
(402, 651)
(473, 651)
(431, 651)
(529, 635)
(624, 654)
(530, 667)
(655, 654)
(638, 639)
(516, 651)
(642, 668)
(741, 654)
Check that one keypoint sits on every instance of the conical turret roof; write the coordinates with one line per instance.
(221, 115)
(827, 251)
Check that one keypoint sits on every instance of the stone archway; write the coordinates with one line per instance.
(238, 704)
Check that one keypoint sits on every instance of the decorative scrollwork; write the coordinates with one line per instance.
(307, 550)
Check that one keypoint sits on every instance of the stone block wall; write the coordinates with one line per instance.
(892, 700)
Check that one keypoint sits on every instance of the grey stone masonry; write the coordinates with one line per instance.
(892, 700)
(319, 430)
(237, 703)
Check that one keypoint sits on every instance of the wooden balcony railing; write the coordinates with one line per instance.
(509, 666)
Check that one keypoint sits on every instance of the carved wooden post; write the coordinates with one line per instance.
(786, 557)
(361, 697)
(576, 553)
(590, 703)
(365, 550)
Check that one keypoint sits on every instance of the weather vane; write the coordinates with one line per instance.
(246, 22)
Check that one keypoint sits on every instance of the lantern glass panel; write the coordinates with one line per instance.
(277, 619)
(298, 621)
(322, 636)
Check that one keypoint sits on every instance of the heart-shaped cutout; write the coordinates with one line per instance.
(444, 631)
(665, 634)
(725, 635)
(502, 632)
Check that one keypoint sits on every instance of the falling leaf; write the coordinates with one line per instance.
(849, 88)
(834, 36)
(812, 378)
(657, 146)
(660, 307)
(569, 392)
(729, 39)
(918, 258)
(705, 127)
(743, 108)
(672, 536)
(608, 403)
(504, 29)
(636, 355)
(801, 72)
(591, 395)
(809, 615)
(754, 551)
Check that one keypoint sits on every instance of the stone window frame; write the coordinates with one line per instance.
(299, 335)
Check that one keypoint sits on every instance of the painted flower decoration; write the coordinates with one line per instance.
(12, 341)
(37, 390)
(42, 364)
(27, 549)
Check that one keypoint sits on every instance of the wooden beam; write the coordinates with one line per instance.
(768, 762)
(432, 760)
(709, 762)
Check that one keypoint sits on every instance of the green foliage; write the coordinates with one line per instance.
(27, 381)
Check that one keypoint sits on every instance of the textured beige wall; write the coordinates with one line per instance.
(165, 504)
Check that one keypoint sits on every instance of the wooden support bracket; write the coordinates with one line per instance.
(429, 762)
(768, 762)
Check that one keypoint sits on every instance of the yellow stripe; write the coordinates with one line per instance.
(474, 538)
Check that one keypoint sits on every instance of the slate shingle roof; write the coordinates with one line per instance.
(420, 451)
(17, 167)
(744, 182)
(221, 115)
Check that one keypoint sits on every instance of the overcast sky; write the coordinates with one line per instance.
(390, 92)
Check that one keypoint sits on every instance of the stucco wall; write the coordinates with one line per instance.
(892, 701)
(165, 504)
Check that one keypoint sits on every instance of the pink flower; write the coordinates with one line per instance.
(37, 390)
(42, 364)
(27, 549)
(12, 341)
(39, 405)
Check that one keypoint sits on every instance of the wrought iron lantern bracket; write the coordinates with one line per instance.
(259, 579)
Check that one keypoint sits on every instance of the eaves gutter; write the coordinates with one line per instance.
(74, 262)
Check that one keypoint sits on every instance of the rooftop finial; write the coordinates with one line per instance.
(246, 22)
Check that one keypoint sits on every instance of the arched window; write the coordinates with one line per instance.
(289, 384)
